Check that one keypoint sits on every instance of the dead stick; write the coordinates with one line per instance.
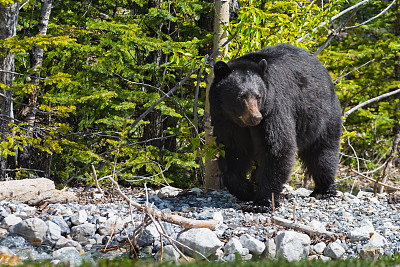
(372, 180)
(301, 227)
(96, 181)
(175, 219)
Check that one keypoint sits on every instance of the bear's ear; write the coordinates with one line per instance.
(263, 65)
(221, 69)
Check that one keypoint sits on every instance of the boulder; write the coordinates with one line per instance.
(32, 229)
(34, 192)
(202, 240)
(292, 246)
(334, 250)
(252, 244)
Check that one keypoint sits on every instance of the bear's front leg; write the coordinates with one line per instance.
(270, 176)
(234, 168)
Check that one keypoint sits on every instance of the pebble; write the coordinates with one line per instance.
(79, 231)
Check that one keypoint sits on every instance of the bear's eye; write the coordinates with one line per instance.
(258, 96)
(242, 96)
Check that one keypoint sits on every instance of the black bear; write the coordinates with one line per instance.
(267, 105)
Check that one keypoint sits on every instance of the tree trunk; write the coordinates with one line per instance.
(36, 60)
(221, 17)
(8, 28)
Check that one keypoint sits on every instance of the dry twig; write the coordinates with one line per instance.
(301, 227)
(372, 180)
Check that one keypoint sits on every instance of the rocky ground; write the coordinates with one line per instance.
(97, 225)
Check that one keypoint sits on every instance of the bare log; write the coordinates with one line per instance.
(374, 181)
(175, 219)
(301, 227)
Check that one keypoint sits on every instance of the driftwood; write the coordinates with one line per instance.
(374, 181)
(301, 227)
(34, 192)
(166, 217)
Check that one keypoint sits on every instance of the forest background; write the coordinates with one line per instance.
(78, 78)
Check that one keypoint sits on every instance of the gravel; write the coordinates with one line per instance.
(364, 226)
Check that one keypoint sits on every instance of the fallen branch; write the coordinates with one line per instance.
(301, 227)
(374, 181)
(175, 219)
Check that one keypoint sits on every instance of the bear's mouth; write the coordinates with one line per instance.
(250, 120)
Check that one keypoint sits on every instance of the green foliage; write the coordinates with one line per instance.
(106, 62)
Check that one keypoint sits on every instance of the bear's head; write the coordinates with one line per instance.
(241, 89)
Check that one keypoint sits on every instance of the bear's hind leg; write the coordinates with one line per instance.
(321, 162)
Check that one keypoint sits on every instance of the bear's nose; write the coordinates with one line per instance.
(256, 119)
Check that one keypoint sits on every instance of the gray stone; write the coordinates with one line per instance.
(79, 217)
(168, 191)
(145, 239)
(67, 242)
(233, 246)
(53, 232)
(371, 252)
(202, 240)
(65, 230)
(32, 229)
(112, 225)
(68, 255)
(83, 232)
(292, 246)
(169, 254)
(334, 250)
(252, 244)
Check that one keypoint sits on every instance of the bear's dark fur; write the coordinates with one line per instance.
(264, 107)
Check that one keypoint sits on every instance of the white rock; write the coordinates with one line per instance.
(334, 250)
(292, 246)
(363, 232)
(201, 239)
(255, 246)
(218, 217)
(317, 225)
(11, 220)
(79, 218)
(6, 250)
(287, 189)
(29, 211)
(59, 253)
(233, 246)
(377, 240)
(168, 191)
(319, 247)
(270, 248)
(169, 254)
(302, 192)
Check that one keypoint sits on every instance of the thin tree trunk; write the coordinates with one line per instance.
(221, 17)
(8, 28)
(36, 60)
